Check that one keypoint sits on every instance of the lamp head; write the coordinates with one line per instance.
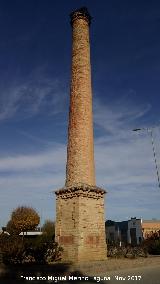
(137, 129)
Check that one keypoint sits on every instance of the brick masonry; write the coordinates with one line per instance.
(149, 227)
(80, 152)
(80, 224)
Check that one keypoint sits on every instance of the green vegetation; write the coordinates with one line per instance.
(48, 230)
(18, 249)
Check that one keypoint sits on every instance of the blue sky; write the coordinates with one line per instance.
(35, 64)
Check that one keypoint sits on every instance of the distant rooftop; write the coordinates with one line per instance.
(33, 233)
(150, 221)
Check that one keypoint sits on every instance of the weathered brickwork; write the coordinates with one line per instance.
(80, 224)
(149, 227)
(80, 152)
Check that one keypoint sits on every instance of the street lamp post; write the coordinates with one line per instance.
(150, 132)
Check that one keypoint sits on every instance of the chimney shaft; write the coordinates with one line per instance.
(80, 151)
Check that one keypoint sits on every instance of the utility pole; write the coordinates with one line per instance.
(150, 132)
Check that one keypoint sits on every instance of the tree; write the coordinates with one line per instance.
(49, 229)
(10, 228)
(23, 219)
(109, 223)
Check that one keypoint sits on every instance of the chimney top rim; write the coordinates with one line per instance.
(81, 13)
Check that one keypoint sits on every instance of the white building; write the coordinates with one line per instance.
(134, 232)
(125, 232)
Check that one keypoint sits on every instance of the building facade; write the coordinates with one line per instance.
(133, 231)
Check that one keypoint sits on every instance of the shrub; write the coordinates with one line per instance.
(19, 251)
(152, 243)
(12, 248)
(153, 246)
(126, 251)
(53, 253)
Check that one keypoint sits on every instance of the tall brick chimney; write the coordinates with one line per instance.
(80, 224)
(80, 152)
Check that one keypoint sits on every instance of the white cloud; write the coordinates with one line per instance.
(32, 180)
(124, 162)
(118, 116)
(122, 156)
(37, 93)
(124, 166)
(52, 158)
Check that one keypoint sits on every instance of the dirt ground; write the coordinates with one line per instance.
(112, 264)
(86, 268)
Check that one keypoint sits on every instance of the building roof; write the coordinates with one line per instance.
(4, 232)
(151, 221)
(33, 233)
